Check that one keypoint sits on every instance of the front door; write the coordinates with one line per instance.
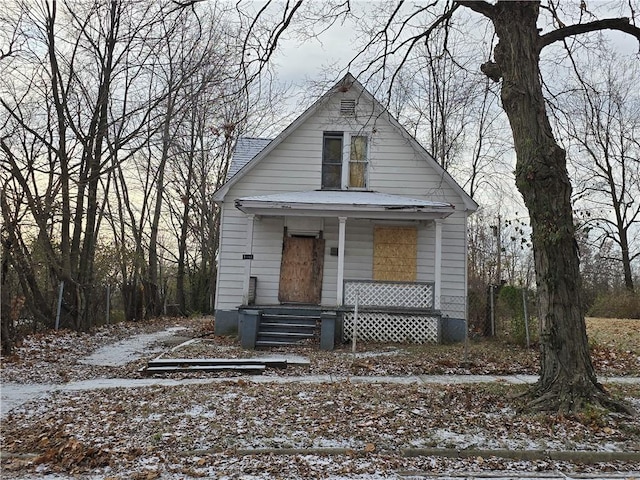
(301, 270)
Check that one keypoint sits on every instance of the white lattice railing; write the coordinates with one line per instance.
(393, 327)
(389, 294)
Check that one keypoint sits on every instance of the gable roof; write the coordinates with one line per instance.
(348, 81)
(246, 148)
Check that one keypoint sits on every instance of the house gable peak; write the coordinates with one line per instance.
(347, 107)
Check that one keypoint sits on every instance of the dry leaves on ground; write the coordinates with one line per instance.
(172, 425)
(199, 431)
(52, 357)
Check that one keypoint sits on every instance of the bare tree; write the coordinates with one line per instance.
(437, 97)
(599, 269)
(168, 234)
(601, 121)
(181, 58)
(489, 168)
(454, 111)
(567, 380)
(72, 141)
(100, 102)
(72, 107)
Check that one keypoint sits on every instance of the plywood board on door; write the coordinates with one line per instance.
(301, 270)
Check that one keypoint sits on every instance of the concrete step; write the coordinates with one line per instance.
(285, 336)
(280, 329)
(275, 343)
(271, 327)
(311, 321)
(241, 365)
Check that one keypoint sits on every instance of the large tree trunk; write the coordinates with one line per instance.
(567, 378)
(154, 303)
(624, 247)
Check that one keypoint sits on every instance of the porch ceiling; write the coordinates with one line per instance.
(340, 203)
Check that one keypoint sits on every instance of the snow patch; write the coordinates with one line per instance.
(128, 350)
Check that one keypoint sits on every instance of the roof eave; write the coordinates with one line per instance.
(409, 212)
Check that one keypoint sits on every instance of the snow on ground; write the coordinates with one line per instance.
(14, 395)
(112, 355)
(128, 350)
(88, 420)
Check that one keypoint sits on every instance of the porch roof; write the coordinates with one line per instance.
(343, 203)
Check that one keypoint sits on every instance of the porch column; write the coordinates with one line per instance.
(248, 256)
(341, 240)
(438, 265)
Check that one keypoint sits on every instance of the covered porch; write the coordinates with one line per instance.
(406, 310)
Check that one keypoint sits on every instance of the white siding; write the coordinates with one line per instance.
(295, 165)
(358, 253)
(230, 264)
(330, 274)
(453, 256)
(267, 255)
(426, 252)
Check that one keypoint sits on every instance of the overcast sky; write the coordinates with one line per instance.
(310, 60)
(299, 62)
(327, 56)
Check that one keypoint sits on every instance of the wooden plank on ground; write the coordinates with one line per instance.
(268, 362)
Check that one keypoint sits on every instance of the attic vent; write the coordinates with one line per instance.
(348, 107)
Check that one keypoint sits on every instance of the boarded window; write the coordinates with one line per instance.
(332, 160)
(395, 253)
(358, 162)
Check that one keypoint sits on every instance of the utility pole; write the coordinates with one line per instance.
(496, 230)
(497, 281)
(499, 244)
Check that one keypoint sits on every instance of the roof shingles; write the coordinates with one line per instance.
(246, 149)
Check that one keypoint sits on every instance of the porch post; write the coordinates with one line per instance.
(341, 241)
(438, 265)
(248, 256)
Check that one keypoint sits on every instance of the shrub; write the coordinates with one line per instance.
(510, 314)
(620, 304)
(477, 308)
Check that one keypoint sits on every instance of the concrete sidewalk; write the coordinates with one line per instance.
(13, 395)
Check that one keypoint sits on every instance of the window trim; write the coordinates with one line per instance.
(345, 164)
(366, 161)
(332, 134)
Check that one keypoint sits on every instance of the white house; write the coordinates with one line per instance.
(344, 203)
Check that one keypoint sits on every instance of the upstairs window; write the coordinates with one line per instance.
(332, 160)
(349, 150)
(358, 162)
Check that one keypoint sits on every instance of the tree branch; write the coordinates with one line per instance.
(479, 6)
(621, 24)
